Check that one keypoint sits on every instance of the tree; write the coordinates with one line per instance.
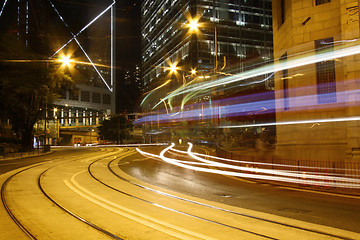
(26, 87)
(117, 128)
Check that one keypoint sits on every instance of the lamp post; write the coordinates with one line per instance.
(56, 125)
(66, 62)
(194, 25)
(174, 69)
(45, 128)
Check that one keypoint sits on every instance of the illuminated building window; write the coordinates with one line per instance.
(85, 96)
(325, 73)
(319, 2)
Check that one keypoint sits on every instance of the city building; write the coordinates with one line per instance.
(81, 35)
(81, 110)
(184, 41)
(232, 35)
(128, 89)
(320, 95)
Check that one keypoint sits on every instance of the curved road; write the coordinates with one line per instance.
(117, 193)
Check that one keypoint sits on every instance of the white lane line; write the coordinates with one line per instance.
(128, 213)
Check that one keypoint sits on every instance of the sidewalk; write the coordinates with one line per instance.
(19, 155)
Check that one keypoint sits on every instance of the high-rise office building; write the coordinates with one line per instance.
(82, 31)
(233, 35)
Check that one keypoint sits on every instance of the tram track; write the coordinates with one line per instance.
(323, 233)
(8, 209)
(119, 188)
(17, 220)
(71, 213)
(167, 208)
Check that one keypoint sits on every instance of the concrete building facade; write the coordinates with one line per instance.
(321, 96)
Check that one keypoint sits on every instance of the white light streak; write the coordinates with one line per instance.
(2, 9)
(298, 177)
(327, 120)
(18, 20)
(265, 164)
(112, 46)
(87, 56)
(27, 22)
(270, 171)
(269, 69)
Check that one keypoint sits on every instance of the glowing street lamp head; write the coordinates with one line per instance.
(193, 71)
(193, 25)
(65, 60)
(173, 68)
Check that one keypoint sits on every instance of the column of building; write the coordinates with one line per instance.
(350, 31)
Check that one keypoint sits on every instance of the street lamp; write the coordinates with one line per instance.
(194, 25)
(66, 61)
(193, 71)
(193, 28)
(174, 69)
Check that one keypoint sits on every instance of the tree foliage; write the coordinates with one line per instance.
(27, 83)
(117, 128)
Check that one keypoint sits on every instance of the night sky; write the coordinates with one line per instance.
(128, 53)
(128, 33)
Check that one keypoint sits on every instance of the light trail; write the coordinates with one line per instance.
(95, 68)
(51, 61)
(294, 174)
(257, 163)
(270, 68)
(228, 108)
(257, 173)
(205, 92)
(327, 120)
(2, 9)
(150, 92)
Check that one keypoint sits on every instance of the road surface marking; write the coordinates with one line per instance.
(128, 213)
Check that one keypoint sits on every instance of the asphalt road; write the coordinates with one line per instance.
(131, 196)
(335, 210)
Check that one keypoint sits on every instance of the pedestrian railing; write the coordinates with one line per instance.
(19, 154)
(331, 176)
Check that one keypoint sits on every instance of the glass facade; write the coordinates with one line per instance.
(234, 33)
